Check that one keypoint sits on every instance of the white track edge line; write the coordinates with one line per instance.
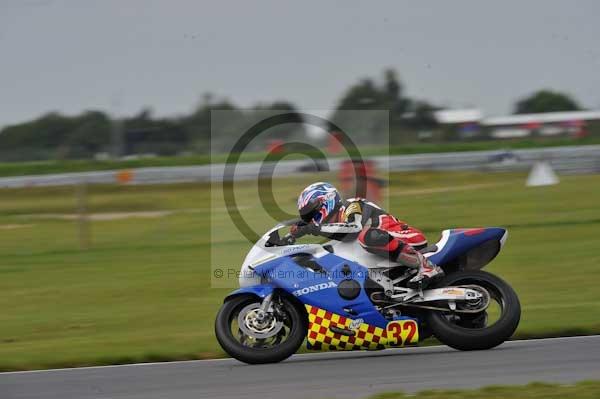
(316, 354)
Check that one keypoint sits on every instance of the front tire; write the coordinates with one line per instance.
(248, 349)
(471, 332)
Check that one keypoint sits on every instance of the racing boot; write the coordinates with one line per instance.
(427, 271)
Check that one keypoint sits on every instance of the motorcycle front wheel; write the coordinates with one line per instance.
(477, 331)
(250, 336)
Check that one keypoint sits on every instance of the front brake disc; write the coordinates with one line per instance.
(251, 324)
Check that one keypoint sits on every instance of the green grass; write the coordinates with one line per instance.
(581, 390)
(142, 291)
(65, 166)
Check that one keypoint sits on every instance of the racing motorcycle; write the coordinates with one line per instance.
(340, 297)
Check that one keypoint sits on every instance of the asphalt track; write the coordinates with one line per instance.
(321, 375)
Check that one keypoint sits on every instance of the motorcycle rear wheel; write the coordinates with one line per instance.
(241, 346)
(465, 334)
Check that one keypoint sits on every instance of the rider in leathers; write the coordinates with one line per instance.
(324, 213)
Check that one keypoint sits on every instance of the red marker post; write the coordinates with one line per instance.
(358, 178)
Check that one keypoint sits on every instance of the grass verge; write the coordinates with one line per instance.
(142, 291)
(580, 390)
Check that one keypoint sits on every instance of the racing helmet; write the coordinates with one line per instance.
(318, 201)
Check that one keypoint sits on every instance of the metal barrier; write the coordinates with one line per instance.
(564, 160)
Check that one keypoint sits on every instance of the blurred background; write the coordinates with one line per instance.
(111, 164)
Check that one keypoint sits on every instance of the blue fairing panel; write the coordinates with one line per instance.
(320, 288)
(460, 241)
(261, 290)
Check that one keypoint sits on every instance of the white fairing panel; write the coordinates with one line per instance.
(503, 239)
(350, 250)
(260, 254)
(353, 251)
(440, 244)
(247, 277)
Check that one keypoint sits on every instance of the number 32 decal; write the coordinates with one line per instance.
(402, 332)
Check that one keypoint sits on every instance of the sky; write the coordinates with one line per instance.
(123, 55)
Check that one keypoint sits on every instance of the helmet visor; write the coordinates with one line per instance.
(310, 211)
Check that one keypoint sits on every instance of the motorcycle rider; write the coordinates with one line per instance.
(324, 213)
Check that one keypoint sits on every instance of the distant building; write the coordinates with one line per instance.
(459, 124)
(458, 116)
(572, 123)
(471, 124)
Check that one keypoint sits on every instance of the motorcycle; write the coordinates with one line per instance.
(340, 297)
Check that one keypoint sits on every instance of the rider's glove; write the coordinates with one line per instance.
(301, 229)
(295, 229)
(288, 239)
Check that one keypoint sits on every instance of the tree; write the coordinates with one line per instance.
(546, 101)
(89, 136)
(219, 132)
(55, 136)
(423, 115)
(389, 95)
(198, 124)
(363, 95)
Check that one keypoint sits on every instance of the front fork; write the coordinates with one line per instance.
(266, 308)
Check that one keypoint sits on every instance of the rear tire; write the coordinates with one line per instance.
(297, 330)
(477, 338)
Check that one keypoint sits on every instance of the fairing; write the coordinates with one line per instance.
(267, 268)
